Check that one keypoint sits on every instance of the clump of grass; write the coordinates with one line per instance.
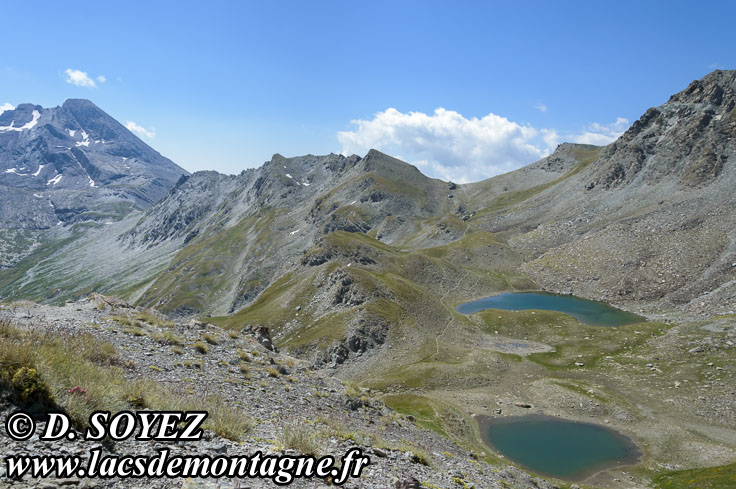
(299, 439)
(210, 338)
(225, 421)
(352, 389)
(167, 338)
(244, 369)
(201, 347)
(154, 319)
(233, 333)
(135, 331)
(273, 372)
(244, 355)
(177, 349)
(122, 320)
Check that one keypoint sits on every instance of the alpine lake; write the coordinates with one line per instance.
(565, 449)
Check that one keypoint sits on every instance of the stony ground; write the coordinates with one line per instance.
(297, 397)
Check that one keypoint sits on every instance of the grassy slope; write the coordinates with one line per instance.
(723, 477)
(435, 357)
(436, 363)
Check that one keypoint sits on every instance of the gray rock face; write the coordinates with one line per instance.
(647, 218)
(689, 138)
(74, 162)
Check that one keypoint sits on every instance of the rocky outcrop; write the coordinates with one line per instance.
(688, 139)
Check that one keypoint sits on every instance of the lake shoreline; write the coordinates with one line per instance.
(586, 311)
(633, 453)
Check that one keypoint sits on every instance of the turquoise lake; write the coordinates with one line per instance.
(559, 448)
(588, 312)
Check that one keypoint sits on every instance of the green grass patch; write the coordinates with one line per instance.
(424, 410)
(572, 340)
(722, 477)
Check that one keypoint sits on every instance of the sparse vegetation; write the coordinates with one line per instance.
(154, 319)
(244, 355)
(210, 338)
(201, 347)
(167, 338)
(298, 438)
(47, 369)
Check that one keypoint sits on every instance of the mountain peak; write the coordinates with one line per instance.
(60, 151)
(717, 88)
(687, 139)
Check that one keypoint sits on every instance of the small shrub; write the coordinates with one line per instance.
(29, 390)
(273, 372)
(201, 347)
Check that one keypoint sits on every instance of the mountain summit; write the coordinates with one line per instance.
(60, 162)
(78, 146)
(689, 138)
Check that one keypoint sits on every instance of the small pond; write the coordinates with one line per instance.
(588, 312)
(559, 448)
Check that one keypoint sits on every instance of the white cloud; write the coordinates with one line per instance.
(601, 134)
(541, 107)
(6, 106)
(140, 131)
(450, 146)
(81, 79)
(446, 144)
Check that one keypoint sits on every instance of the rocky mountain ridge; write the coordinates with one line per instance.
(71, 164)
(356, 265)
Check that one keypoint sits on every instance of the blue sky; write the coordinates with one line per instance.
(224, 85)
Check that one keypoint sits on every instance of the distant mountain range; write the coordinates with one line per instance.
(646, 220)
(355, 265)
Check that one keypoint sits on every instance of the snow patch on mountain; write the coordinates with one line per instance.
(28, 125)
(84, 141)
(54, 180)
